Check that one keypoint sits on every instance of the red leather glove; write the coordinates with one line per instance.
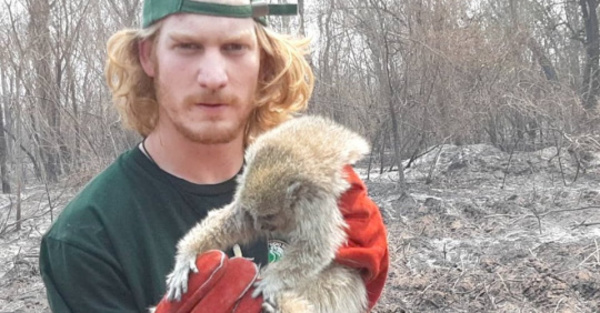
(222, 285)
(367, 248)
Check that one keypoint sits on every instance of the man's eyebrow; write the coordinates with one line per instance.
(183, 36)
(188, 36)
(242, 35)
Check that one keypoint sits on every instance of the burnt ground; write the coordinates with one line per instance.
(493, 232)
(481, 231)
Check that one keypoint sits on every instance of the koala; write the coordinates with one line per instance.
(289, 190)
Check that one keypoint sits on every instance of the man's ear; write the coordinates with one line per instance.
(145, 50)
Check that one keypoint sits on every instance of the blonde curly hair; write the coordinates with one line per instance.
(284, 87)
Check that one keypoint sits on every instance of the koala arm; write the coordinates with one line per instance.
(220, 230)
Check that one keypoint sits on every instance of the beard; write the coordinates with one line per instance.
(212, 135)
(209, 130)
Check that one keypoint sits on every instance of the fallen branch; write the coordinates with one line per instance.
(595, 254)
(571, 210)
(582, 224)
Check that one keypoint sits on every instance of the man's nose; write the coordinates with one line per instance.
(212, 73)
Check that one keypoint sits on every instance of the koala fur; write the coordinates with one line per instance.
(289, 190)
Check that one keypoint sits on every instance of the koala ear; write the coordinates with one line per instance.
(294, 190)
(299, 189)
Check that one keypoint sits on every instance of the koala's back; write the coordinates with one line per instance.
(314, 140)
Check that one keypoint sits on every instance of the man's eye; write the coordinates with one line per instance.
(234, 47)
(188, 46)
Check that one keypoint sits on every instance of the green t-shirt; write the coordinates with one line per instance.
(112, 247)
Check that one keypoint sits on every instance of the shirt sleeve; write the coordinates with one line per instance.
(367, 246)
(82, 281)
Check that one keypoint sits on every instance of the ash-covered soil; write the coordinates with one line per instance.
(21, 287)
(481, 231)
(493, 232)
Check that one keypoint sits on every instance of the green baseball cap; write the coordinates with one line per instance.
(155, 10)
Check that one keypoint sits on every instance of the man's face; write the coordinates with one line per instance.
(206, 72)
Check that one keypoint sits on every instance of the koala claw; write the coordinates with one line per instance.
(268, 287)
(270, 306)
(178, 279)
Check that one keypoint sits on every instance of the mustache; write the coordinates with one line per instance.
(212, 98)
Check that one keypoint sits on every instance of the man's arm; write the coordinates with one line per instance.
(79, 281)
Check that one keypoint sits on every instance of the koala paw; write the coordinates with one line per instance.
(268, 287)
(270, 306)
(177, 281)
(287, 302)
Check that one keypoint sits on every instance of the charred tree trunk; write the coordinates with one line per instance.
(4, 177)
(384, 62)
(301, 14)
(543, 60)
(591, 73)
(47, 104)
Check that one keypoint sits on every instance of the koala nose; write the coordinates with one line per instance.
(258, 225)
(267, 227)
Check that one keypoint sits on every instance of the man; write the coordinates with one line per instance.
(199, 81)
